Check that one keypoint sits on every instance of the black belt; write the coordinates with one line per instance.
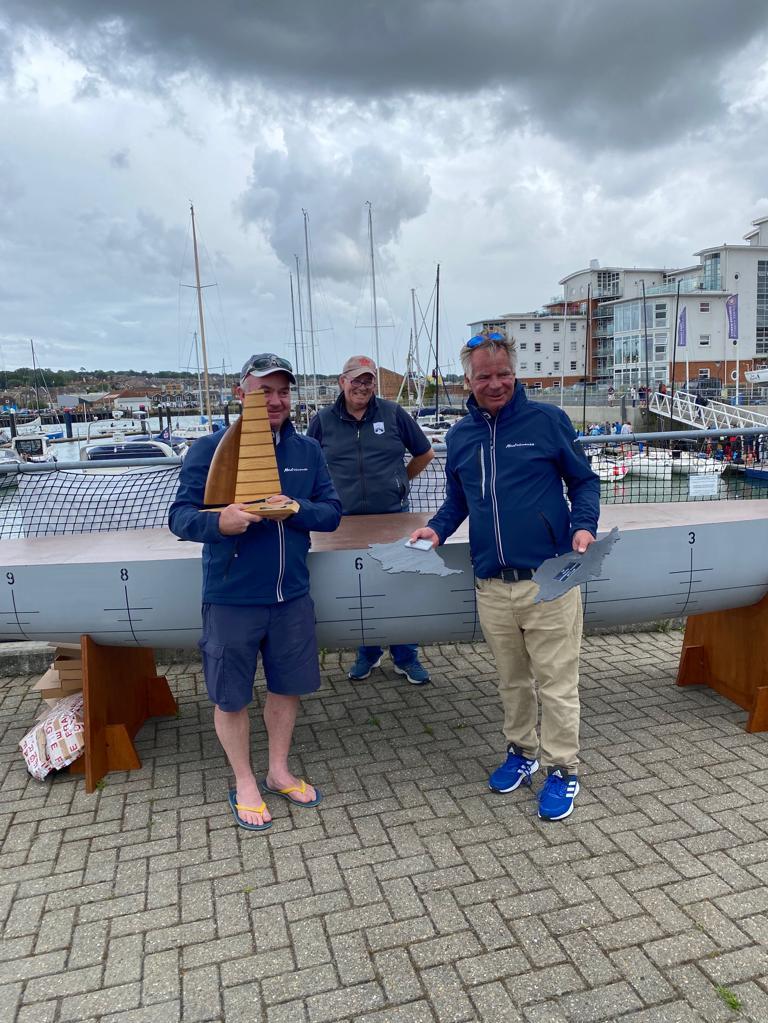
(514, 575)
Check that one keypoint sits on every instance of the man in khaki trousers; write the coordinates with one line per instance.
(506, 465)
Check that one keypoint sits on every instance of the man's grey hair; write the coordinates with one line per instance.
(506, 344)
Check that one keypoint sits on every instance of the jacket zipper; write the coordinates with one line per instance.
(494, 502)
(482, 472)
(361, 474)
(551, 532)
(232, 557)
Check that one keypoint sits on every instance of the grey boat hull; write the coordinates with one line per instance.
(142, 588)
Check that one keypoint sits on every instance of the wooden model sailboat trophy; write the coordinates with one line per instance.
(244, 465)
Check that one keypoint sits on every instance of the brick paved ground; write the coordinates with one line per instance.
(412, 894)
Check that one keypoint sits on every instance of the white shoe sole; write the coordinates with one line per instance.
(359, 678)
(413, 681)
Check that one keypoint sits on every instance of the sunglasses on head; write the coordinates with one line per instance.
(480, 339)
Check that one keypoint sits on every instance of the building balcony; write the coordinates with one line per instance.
(709, 282)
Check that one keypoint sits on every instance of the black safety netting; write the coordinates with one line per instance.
(48, 501)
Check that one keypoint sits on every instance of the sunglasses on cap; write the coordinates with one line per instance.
(480, 339)
(261, 365)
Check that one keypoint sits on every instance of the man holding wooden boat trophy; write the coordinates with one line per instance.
(364, 438)
(506, 465)
(256, 600)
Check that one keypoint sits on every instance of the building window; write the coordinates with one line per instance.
(761, 317)
(537, 367)
(703, 374)
(703, 307)
(523, 365)
(556, 367)
(523, 346)
(573, 364)
(574, 346)
(660, 314)
(556, 346)
(537, 346)
(522, 326)
(573, 326)
(537, 328)
(704, 340)
(556, 326)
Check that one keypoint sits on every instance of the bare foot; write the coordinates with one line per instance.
(248, 795)
(289, 781)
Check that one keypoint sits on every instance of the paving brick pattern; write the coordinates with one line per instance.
(412, 893)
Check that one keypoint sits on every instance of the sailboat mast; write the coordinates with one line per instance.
(301, 327)
(419, 384)
(295, 346)
(199, 378)
(34, 375)
(373, 296)
(200, 317)
(309, 302)
(437, 344)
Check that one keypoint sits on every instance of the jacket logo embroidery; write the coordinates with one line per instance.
(521, 444)
(378, 428)
(293, 468)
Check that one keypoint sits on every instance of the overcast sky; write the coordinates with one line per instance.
(509, 142)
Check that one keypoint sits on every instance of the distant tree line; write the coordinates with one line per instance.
(24, 376)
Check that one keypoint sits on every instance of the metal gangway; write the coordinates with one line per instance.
(715, 415)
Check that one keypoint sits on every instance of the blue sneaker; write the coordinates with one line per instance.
(362, 668)
(557, 796)
(514, 772)
(415, 672)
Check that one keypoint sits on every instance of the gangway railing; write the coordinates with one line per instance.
(715, 415)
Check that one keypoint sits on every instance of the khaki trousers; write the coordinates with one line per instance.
(538, 642)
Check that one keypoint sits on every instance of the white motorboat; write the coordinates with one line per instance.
(112, 449)
(608, 469)
(21, 450)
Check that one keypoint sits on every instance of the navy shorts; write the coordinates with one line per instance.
(233, 637)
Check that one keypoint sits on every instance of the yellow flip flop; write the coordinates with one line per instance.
(301, 788)
(236, 807)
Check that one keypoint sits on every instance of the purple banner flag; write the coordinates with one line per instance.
(732, 312)
(682, 328)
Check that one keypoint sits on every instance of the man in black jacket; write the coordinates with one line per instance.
(364, 439)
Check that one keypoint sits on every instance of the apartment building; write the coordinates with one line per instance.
(550, 348)
(633, 316)
(646, 342)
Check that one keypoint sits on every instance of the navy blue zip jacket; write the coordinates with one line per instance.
(268, 563)
(507, 472)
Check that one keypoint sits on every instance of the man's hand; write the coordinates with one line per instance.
(235, 519)
(425, 533)
(582, 538)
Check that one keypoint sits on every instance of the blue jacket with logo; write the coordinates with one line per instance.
(268, 563)
(507, 473)
(365, 456)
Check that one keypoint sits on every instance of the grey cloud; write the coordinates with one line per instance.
(120, 159)
(332, 188)
(89, 87)
(628, 76)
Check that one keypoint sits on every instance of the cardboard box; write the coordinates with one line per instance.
(51, 685)
(67, 661)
